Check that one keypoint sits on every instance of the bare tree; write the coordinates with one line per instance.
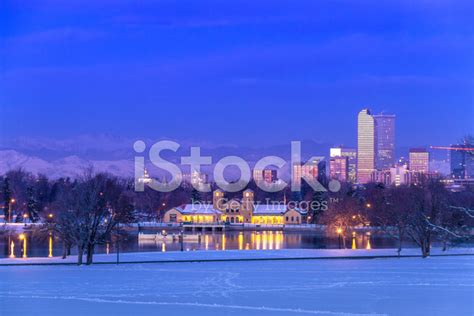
(392, 213)
(427, 203)
(89, 210)
(456, 221)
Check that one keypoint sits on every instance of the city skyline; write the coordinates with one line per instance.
(236, 157)
(376, 140)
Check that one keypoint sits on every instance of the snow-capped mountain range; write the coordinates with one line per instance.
(70, 166)
(69, 157)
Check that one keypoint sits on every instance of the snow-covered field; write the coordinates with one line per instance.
(408, 286)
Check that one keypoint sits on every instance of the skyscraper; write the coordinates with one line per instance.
(315, 169)
(419, 160)
(462, 162)
(339, 168)
(351, 154)
(269, 175)
(385, 141)
(366, 146)
(400, 175)
(257, 175)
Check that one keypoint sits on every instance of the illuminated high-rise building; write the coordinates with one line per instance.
(351, 154)
(400, 175)
(339, 168)
(269, 175)
(385, 141)
(366, 146)
(257, 175)
(419, 160)
(315, 169)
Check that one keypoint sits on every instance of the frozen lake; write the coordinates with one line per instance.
(408, 286)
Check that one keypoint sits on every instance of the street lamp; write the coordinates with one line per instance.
(12, 201)
(339, 234)
(181, 239)
(117, 236)
(25, 217)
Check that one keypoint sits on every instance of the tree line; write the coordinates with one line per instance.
(423, 213)
(86, 211)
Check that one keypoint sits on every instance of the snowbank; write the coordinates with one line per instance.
(234, 255)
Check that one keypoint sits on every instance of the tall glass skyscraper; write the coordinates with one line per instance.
(462, 162)
(385, 142)
(366, 146)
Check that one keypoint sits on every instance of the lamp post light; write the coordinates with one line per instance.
(117, 241)
(12, 201)
(339, 234)
(181, 239)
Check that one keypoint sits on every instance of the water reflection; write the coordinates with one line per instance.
(23, 249)
(12, 249)
(265, 240)
(48, 246)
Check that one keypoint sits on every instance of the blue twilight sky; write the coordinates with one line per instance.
(236, 72)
